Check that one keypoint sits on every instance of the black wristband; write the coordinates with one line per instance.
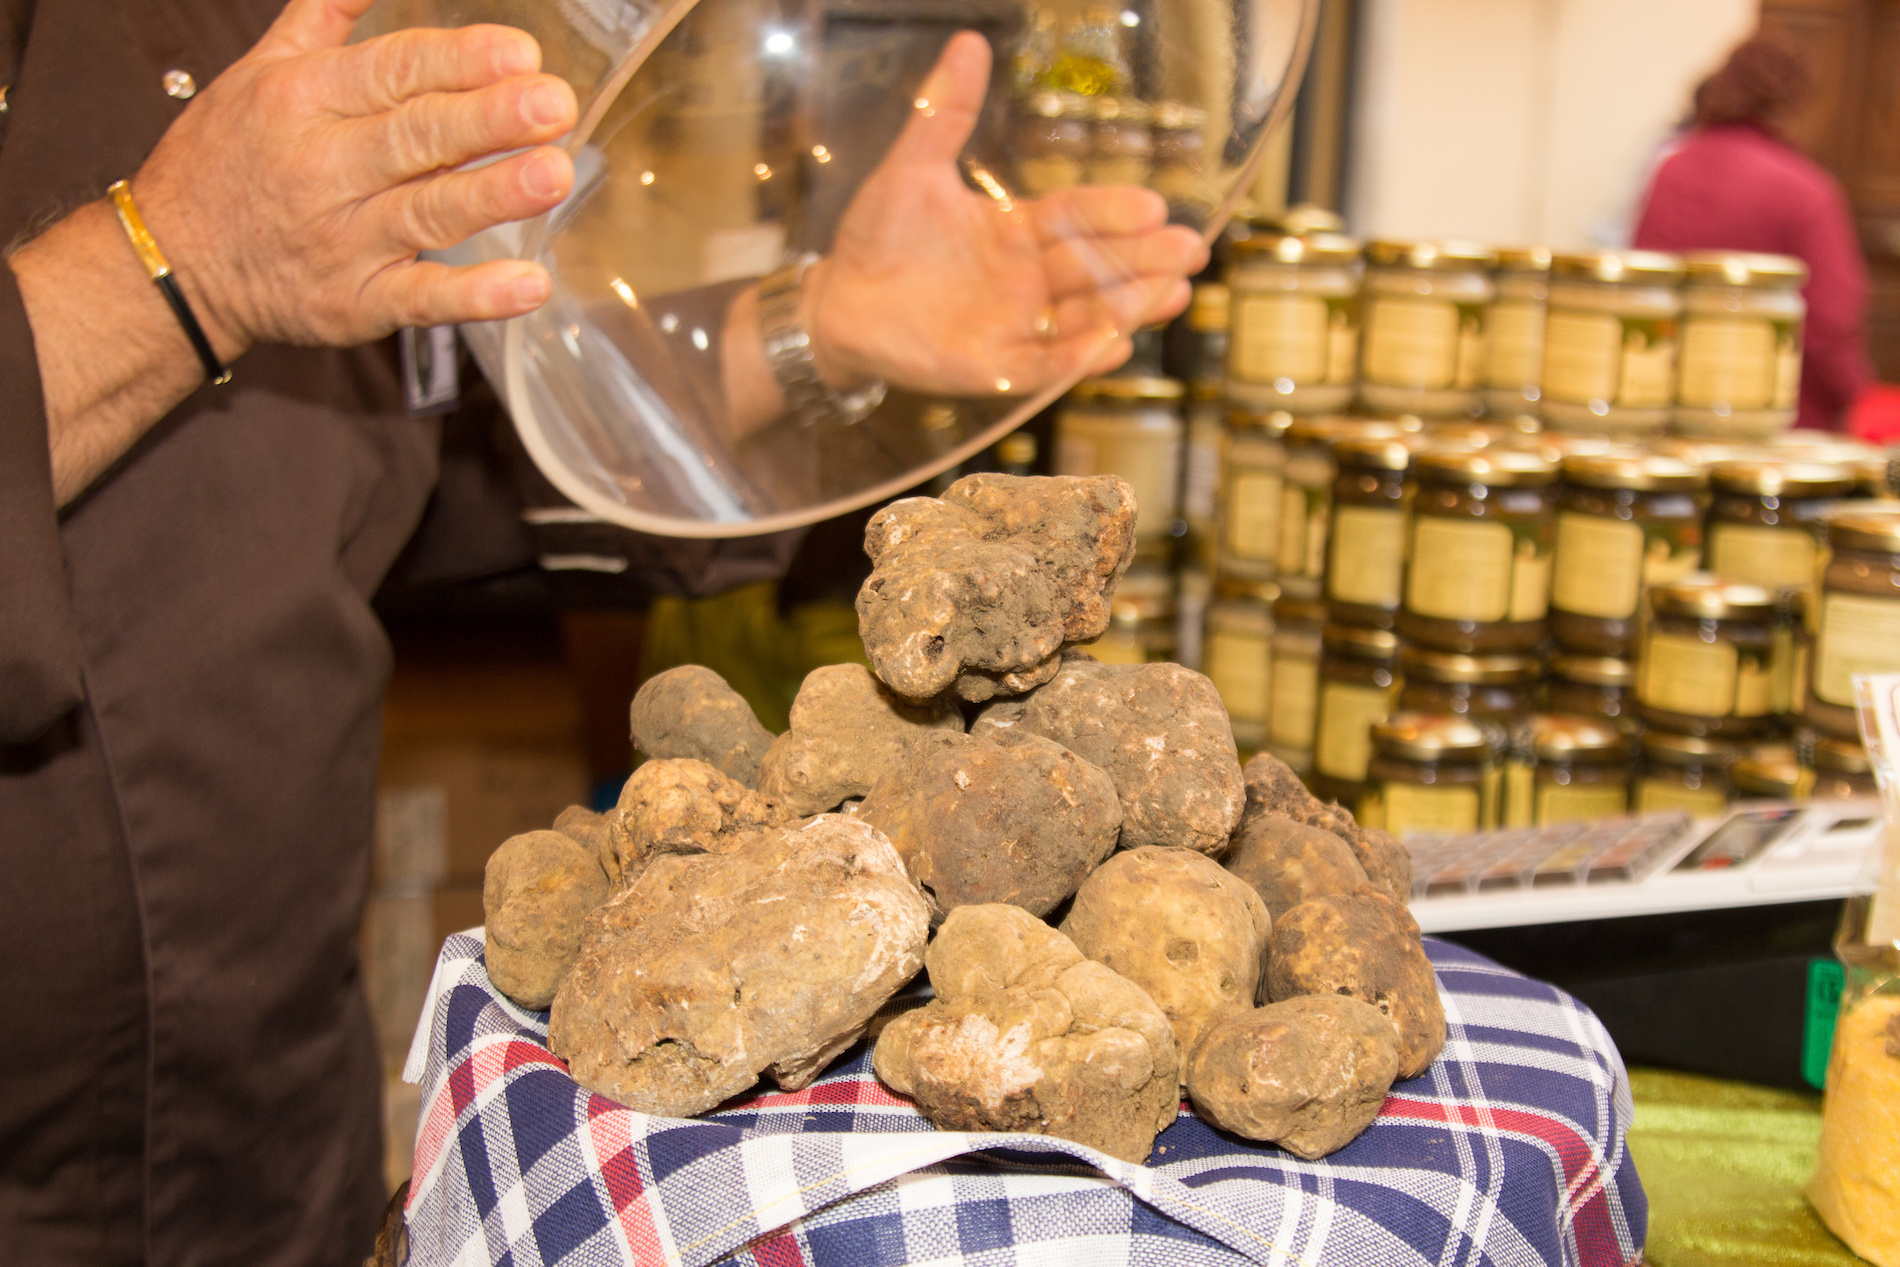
(160, 271)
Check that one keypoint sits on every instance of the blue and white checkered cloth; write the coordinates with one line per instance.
(1508, 1150)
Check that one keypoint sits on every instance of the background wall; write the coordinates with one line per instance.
(1522, 120)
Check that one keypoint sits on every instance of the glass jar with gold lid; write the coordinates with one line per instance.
(1625, 521)
(1684, 772)
(1131, 427)
(1237, 656)
(1765, 520)
(1432, 772)
(1707, 659)
(1294, 684)
(1859, 621)
(1478, 573)
(1052, 141)
(1593, 686)
(1358, 685)
(1770, 773)
(1842, 770)
(1422, 351)
(1514, 332)
(1294, 339)
(1611, 337)
(1741, 344)
(1306, 505)
(1500, 688)
(1121, 141)
(1252, 489)
(1582, 770)
(1365, 562)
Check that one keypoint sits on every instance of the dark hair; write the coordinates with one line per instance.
(1762, 79)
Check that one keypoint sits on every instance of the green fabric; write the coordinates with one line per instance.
(1723, 1164)
(741, 636)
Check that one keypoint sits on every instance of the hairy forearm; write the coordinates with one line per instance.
(112, 358)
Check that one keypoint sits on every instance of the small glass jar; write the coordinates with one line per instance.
(1253, 494)
(1859, 625)
(1793, 652)
(1514, 332)
(1306, 505)
(1611, 339)
(1765, 521)
(1121, 142)
(1773, 773)
(1208, 316)
(1052, 142)
(1684, 772)
(1433, 773)
(1741, 344)
(1180, 151)
(1423, 347)
(1129, 427)
(1365, 563)
(1499, 688)
(1294, 341)
(1594, 686)
(1238, 653)
(1625, 522)
(1479, 553)
(1706, 665)
(1202, 452)
(1358, 685)
(1294, 681)
(1582, 771)
(1140, 618)
(1842, 771)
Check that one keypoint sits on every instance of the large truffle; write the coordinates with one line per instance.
(1179, 926)
(680, 807)
(979, 590)
(978, 821)
(712, 968)
(1160, 732)
(1367, 946)
(691, 712)
(1287, 862)
(1027, 1035)
(536, 891)
(847, 729)
(1273, 788)
(1308, 1074)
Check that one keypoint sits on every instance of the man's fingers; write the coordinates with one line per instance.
(1078, 264)
(438, 212)
(447, 129)
(947, 104)
(425, 293)
(382, 73)
(1124, 308)
(308, 25)
(1110, 211)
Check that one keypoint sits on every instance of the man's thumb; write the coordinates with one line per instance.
(945, 111)
(306, 26)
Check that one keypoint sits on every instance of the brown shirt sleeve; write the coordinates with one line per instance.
(39, 658)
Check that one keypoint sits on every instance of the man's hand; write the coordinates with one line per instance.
(294, 193)
(934, 287)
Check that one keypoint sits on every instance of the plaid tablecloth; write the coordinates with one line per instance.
(1509, 1150)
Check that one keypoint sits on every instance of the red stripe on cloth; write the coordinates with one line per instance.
(610, 1130)
(780, 1250)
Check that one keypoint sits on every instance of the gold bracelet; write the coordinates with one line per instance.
(160, 270)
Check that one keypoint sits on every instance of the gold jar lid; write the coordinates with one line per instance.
(1705, 452)
(1524, 259)
(1705, 597)
(1259, 424)
(1491, 467)
(1768, 478)
(1439, 257)
(1628, 469)
(1772, 772)
(1373, 453)
(1434, 737)
(1841, 756)
(1567, 737)
(1119, 110)
(1291, 610)
(1590, 670)
(1685, 750)
(1050, 104)
(1291, 248)
(1306, 217)
(1128, 390)
(1742, 268)
(1241, 587)
(1330, 431)
(1875, 530)
(1179, 116)
(1648, 268)
(1479, 670)
(1360, 644)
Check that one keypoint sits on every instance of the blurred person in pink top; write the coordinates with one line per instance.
(1733, 183)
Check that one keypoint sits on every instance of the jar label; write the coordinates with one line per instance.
(1469, 373)
(1656, 796)
(1858, 635)
(1520, 782)
(1514, 344)
(1347, 712)
(1581, 352)
(1253, 515)
(1342, 341)
(1412, 342)
(1781, 662)
(1787, 366)
(1754, 684)
(1530, 575)
(1200, 478)
(1368, 556)
(1143, 451)
(1303, 514)
(1580, 802)
(1773, 558)
(1728, 361)
(1648, 379)
(1461, 569)
(1599, 566)
(1048, 174)
(1294, 691)
(1237, 665)
(1279, 336)
(1442, 808)
(1683, 674)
